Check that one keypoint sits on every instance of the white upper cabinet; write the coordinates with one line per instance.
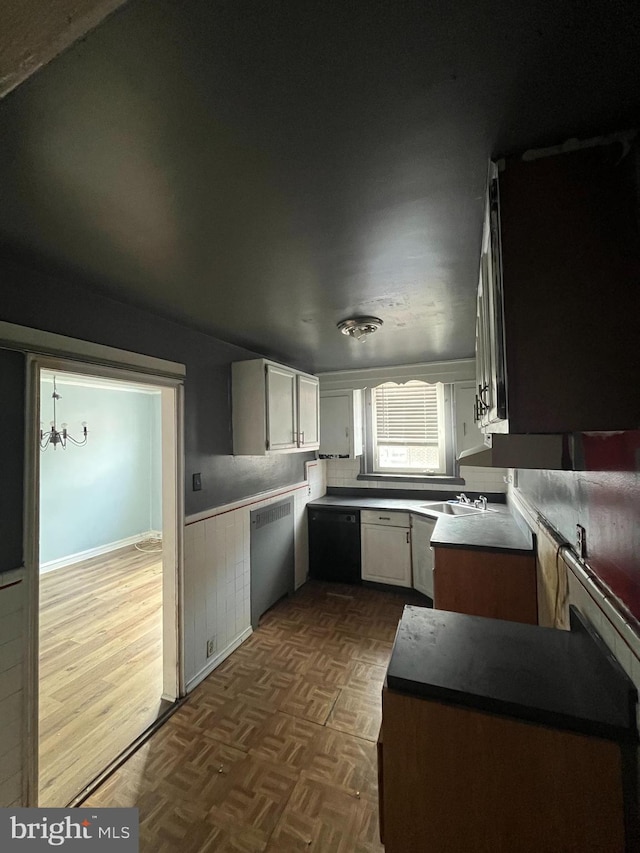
(490, 401)
(341, 423)
(281, 408)
(308, 412)
(468, 435)
(275, 409)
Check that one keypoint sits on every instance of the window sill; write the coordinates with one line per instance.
(412, 478)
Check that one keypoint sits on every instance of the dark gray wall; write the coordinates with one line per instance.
(43, 301)
(12, 376)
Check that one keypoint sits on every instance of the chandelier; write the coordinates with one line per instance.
(60, 436)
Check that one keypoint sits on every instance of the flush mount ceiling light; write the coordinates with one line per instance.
(360, 327)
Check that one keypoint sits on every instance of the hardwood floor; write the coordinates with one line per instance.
(275, 751)
(100, 666)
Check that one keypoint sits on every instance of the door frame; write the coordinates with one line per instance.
(122, 366)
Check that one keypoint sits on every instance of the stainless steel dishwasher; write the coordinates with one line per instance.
(334, 544)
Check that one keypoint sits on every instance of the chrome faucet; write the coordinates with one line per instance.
(463, 498)
(481, 502)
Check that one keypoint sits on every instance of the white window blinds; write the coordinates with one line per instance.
(407, 414)
(408, 428)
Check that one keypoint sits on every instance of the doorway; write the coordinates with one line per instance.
(106, 529)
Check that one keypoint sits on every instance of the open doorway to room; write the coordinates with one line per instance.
(108, 590)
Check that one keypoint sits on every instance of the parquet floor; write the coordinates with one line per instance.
(276, 750)
(100, 666)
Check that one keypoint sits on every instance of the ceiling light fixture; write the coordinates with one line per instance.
(360, 327)
(60, 436)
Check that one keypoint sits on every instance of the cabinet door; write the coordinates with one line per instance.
(467, 433)
(341, 423)
(490, 370)
(386, 554)
(496, 584)
(497, 402)
(308, 412)
(483, 348)
(422, 554)
(335, 417)
(281, 408)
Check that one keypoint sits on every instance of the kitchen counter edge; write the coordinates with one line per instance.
(495, 530)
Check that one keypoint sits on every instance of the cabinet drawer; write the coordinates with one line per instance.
(392, 518)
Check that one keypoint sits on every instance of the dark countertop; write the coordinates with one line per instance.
(494, 530)
(486, 532)
(566, 679)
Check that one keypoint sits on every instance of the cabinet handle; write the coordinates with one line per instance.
(480, 407)
(384, 518)
(408, 537)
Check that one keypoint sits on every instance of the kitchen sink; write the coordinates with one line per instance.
(454, 509)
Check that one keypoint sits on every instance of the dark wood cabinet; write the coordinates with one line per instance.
(559, 295)
(497, 584)
(458, 779)
(500, 737)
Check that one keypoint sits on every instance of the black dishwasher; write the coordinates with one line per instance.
(334, 544)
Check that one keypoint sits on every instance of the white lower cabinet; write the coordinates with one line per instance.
(422, 553)
(386, 547)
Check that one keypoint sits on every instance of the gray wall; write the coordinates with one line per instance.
(12, 373)
(58, 304)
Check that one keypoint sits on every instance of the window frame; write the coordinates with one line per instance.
(447, 452)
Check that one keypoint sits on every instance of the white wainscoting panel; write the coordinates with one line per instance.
(12, 710)
(217, 572)
(301, 538)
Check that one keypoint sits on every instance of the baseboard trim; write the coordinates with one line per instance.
(217, 659)
(80, 556)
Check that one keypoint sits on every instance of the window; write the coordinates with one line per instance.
(408, 429)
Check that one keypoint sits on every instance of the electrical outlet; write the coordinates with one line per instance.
(211, 646)
(581, 540)
(197, 482)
